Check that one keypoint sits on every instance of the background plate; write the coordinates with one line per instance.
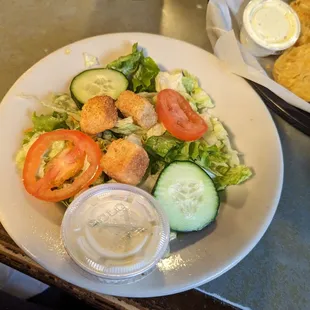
(246, 210)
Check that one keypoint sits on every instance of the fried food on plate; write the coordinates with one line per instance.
(98, 114)
(125, 162)
(141, 110)
(302, 8)
(292, 70)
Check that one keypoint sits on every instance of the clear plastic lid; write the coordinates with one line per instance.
(115, 231)
(272, 24)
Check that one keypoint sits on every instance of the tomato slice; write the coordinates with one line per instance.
(178, 117)
(62, 166)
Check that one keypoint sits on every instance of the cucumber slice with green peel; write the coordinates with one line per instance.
(188, 196)
(97, 82)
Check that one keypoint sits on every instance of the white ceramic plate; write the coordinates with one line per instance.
(197, 258)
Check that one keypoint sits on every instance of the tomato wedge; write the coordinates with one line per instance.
(62, 166)
(178, 117)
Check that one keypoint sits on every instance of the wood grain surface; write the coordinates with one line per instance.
(13, 256)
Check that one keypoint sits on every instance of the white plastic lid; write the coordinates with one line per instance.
(272, 24)
(115, 231)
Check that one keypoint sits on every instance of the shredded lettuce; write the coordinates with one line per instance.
(166, 80)
(219, 160)
(49, 122)
(126, 127)
(187, 85)
(90, 61)
(218, 135)
(62, 103)
(22, 153)
(161, 145)
(42, 124)
(134, 139)
(156, 130)
(233, 176)
(72, 123)
(151, 97)
(56, 148)
(105, 139)
(199, 96)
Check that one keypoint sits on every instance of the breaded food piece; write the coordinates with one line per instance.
(302, 8)
(139, 108)
(98, 114)
(125, 162)
(292, 70)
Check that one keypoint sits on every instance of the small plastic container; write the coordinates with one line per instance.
(269, 27)
(115, 232)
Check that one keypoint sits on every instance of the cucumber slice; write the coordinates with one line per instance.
(97, 82)
(188, 196)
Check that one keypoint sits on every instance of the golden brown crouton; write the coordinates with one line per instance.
(125, 162)
(141, 110)
(98, 114)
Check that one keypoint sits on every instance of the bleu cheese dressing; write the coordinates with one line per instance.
(115, 232)
(269, 27)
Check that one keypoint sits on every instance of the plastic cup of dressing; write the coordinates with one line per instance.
(115, 232)
(269, 27)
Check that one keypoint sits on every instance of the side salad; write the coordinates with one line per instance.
(131, 123)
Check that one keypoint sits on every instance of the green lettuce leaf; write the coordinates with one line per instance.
(199, 96)
(161, 145)
(28, 135)
(173, 81)
(140, 71)
(49, 122)
(233, 176)
(128, 64)
(22, 153)
(72, 123)
(151, 97)
(126, 127)
(144, 78)
(156, 130)
(187, 85)
(105, 139)
(217, 159)
(62, 103)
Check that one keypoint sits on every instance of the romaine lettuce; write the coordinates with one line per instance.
(62, 103)
(49, 122)
(161, 145)
(233, 176)
(22, 153)
(156, 130)
(187, 85)
(126, 127)
(139, 70)
(173, 81)
(128, 64)
(144, 79)
(219, 160)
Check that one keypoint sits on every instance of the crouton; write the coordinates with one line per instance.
(141, 110)
(98, 114)
(125, 162)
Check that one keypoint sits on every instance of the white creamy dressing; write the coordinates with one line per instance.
(114, 233)
(269, 26)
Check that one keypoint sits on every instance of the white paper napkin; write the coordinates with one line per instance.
(224, 20)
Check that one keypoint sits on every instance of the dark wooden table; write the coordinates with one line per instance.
(13, 256)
